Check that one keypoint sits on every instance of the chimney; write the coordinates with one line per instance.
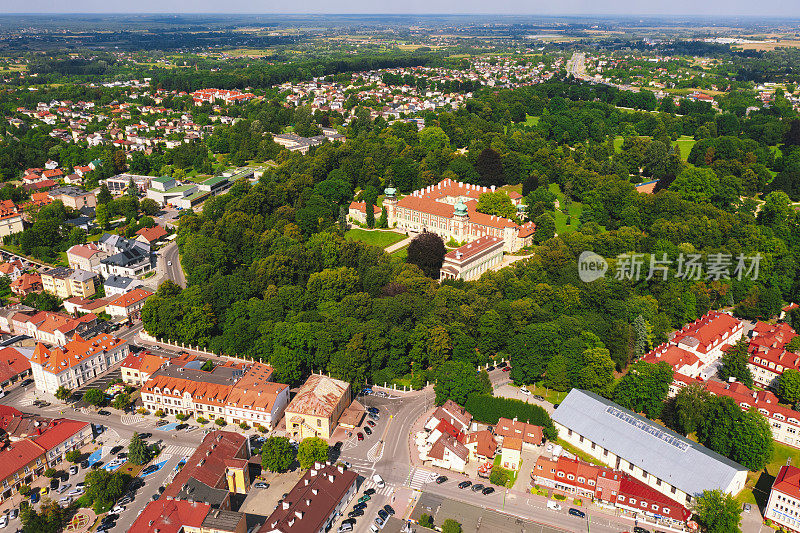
(331, 478)
(298, 514)
(308, 502)
(341, 469)
(313, 471)
(285, 505)
(151, 522)
(314, 491)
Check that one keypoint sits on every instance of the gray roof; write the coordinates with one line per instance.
(119, 282)
(655, 449)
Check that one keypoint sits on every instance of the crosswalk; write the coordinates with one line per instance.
(420, 477)
(385, 491)
(130, 420)
(174, 449)
(26, 400)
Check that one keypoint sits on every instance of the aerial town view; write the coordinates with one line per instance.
(445, 266)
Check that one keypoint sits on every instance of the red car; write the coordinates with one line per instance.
(506, 369)
(360, 436)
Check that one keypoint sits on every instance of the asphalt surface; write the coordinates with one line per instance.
(168, 264)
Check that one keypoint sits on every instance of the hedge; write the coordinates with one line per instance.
(489, 409)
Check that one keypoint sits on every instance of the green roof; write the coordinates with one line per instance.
(163, 179)
(181, 188)
(213, 181)
(197, 195)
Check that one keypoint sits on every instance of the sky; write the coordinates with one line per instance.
(723, 8)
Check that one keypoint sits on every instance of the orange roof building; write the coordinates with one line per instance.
(77, 362)
(128, 303)
(317, 406)
(255, 399)
(449, 209)
(138, 368)
(27, 283)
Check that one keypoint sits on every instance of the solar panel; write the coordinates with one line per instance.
(648, 428)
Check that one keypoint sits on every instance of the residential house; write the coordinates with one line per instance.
(768, 354)
(530, 434)
(77, 362)
(482, 445)
(12, 270)
(151, 235)
(20, 463)
(26, 284)
(54, 328)
(116, 285)
(129, 304)
(511, 452)
(607, 487)
(74, 197)
(76, 305)
(85, 257)
(452, 413)
(448, 452)
(316, 408)
(61, 436)
(171, 516)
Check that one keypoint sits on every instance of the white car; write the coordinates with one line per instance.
(63, 488)
(3, 521)
(65, 501)
(524, 390)
(553, 505)
(378, 481)
(117, 509)
(76, 492)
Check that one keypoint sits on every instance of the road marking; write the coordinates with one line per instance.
(376, 452)
(178, 450)
(130, 420)
(420, 477)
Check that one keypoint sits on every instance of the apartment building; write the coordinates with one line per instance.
(67, 282)
(138, 368)
(20, 463)
(128, 304)
(768, 354)
(85, 257)
(470, 261)
(255, 399)
(77, 362)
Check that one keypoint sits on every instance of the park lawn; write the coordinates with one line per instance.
(575, 210)
(618, 140)
(374, 238)
(550, 395)
(759, 483)
(685, 143)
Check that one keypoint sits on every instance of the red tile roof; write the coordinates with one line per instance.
(12, 363)
(59, 430)
(529, 433)
(486, 444)
(18, 455)
(209, 461)
(74, 352)
(152, 234)
(131, 297)
(788, 481)
(170, 516)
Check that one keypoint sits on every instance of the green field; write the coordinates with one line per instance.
(685, 143)
(531, 121)
(374, 238)
(402, 253)
(575, 210)
(618, 140)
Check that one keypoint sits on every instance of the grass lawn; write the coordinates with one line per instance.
(618, 140)
(402, 253)
(583, 456)
(374, 238)
(575, 210)
(685, 143)
(758, 484)
(552, 396)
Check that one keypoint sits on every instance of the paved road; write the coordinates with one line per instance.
(169, 265)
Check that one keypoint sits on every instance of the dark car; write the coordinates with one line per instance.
(145, 435)
(34, 497)
(371, 423)
(441, 479)
(638, 529)
(27, 382)
(488, 490)
(103, 412)
(464, 484)
(489, 369)
(538, 397)
(555, 405)
(355, 512)
(116, 449)
(375, 416)
(373, 410)
(54, 483)
(369, 492)
(13, 514)
(477, 487)
(389, 509)
(359, 506)
(360, 436)
(383, 514)
(367, 430)
(84, 464)
(577, 512)
(149, 470)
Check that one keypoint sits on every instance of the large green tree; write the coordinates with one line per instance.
(743, 436)
(427, 250)
(457, 381)
(789, 385)
(277, 454)
(138, 453)
(718, 512)
(645, 387)
(312, 450)
(734, 364)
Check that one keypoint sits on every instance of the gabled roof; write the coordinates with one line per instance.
(170, 516)
(131, 297)
(529, 433)
(74, 352)
(12, 363)
(59, 431)
(152, 234)
(318, 396)
(17, 455)
(210, 460)
(788, 481)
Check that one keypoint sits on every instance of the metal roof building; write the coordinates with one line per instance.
(665, 460)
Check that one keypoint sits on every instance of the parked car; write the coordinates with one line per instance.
(370, 491)
(149, 470)
(488, 490)
(360, 506)
(360, 436)
(73, 470)
(54, 483)
(553, 505)
(13, 514)
(84, 464)
(373, 410)
(371, 423)
(375, 416)
(383, 514)
(117, 509)
(367, 430)
(638, 529)
(261, 485)
(355, 512)
(464, 484)
(346, 526)
(577, 512)
(389, 509)
(489, 368)
(373, 528)
(524, 390)
(506, 369)
(538, 397)
(65, 501)
(3, 521)
(81, 485)
(379, 522)
(746, 507)
(75, 492)
(441, 479)
(477, 487)
(63, 488)
(364, 498)
(378, 481)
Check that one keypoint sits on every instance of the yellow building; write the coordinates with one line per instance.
(66, 282)
(315, 410)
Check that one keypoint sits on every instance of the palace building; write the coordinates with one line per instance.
(449, 210)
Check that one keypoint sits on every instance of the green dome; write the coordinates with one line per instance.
(461, 208)
(389, 191)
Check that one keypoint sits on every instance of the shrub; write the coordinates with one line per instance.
(181, 416)
(220, 422)
(142, 411)
(50, 472)
(489, 409)
(261, 429)
(160, 413)
(244, 425)
(577, 501)
(426, 520)
(24, 489)
(201, 420)
(73, 456)
(499, 476)
(559, 497)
